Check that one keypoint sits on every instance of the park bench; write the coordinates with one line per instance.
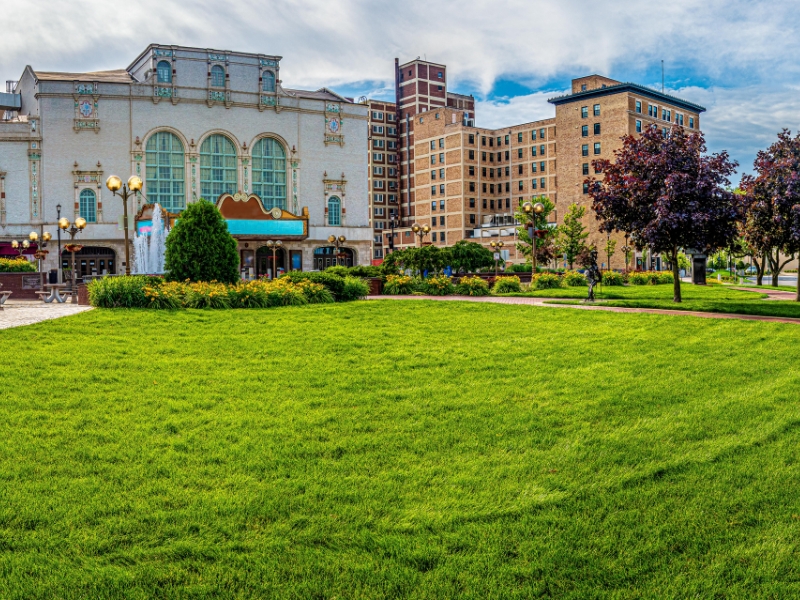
(3, 297)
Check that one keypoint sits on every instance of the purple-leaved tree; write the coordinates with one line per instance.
(666, 193)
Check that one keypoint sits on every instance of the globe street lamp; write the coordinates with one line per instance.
(20, 246)
(421, 232)
(533, 211)
(72, 230)
(337, 242)
(274, 247)
(40, 254)
(134, 185)
(496, 248)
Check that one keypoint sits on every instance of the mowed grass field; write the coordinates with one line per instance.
(399, 450)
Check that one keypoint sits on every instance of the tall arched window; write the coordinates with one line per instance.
(164, 70)
(165, 171)
(88, 205)
(268, 81)
(334, 211)
(217, 167)
(269, 173)
(217, 76)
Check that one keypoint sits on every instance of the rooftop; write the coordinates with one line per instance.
(627, 87)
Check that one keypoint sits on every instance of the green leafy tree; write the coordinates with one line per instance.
(571, 235)
(545, 248)
(610, 250)
(200, 248)
(470, 256)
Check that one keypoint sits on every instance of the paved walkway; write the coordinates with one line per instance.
(771, 294)
(599, 306)
(27, 312)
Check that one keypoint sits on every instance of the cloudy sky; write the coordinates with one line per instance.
(737, 58)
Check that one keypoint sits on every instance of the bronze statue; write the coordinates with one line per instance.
(593, 275)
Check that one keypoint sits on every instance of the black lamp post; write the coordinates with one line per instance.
(533, 211)
(337, 241)
(128, 190)
(496, 248)
(274, 246)
(420, 232)
(72, 229)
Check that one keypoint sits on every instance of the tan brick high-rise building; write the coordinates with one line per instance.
(466, 182)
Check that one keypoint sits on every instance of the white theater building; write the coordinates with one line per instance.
(282, 164)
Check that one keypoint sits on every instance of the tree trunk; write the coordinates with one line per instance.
(797, 294)
(676, 276)
(774, 265)
(760, 268)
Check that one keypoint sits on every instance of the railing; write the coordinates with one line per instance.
(10, 85)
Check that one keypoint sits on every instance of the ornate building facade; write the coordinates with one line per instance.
(192, 123)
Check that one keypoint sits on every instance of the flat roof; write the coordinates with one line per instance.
(115, 76)
(627, 87)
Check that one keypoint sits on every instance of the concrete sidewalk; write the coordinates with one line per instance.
(28, 312)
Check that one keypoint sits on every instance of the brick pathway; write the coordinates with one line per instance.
(541, 302)
(27, 312)
(771, 294)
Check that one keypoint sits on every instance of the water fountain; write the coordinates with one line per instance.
(149, 247)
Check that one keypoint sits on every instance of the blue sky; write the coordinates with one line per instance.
(737, 58)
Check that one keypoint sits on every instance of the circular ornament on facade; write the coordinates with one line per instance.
(334, 124)
(85, 108)
(276, 212)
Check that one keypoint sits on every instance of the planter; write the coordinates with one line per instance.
(23, 286)
(375, 286)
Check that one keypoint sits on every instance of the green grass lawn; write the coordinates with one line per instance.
(426, 450)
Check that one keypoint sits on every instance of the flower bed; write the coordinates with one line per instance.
(16, 265)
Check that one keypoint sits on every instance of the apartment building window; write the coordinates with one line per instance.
(691, 122)
(498, 141)
(378, 253)
(378, 197)
(484, 204)
(379, 211)
(472, 154)
(533, 184)
(472, 219)
(390, 117)
(597, 128)
(433, 223)
(597, 168)
(679, 119)
(491, 188)
(508, 186)
(377, 116)
(520, 185)
(491, 142)
(378, 185)
(472, 171)
(533, 135)
(392, 145)
(484, 188)
(583, 87)
(483, 140)
(377, 144)
(441, 204)
(543, 183)
(433, 159)
(472, 202)
(441, 188)
(652, 111)
(433, 205)
(441, 220)
(392, 172)
(392, 158)
(377, 156)
(391, 130)
(519, 152)
(541, 150)
(433, 144)
(585, 188)
(542, 135)
(533, 150)
(508, 171)
(533, 167)
(584, 112)
(441, 173)
(664, 131)
(433, 236)
(393, 198)
(584, 131)
(433, 190)
(541, 166)
(441, 158)
(441, 142)
(519, 170)
(377, 129)
(639, 106)
(519, 137)
(585, 150)
(471, 186)
(471, 138)
(506, 154)
(433, 175)
(437, 114)
(491, 157)
(491, 204)
(638, 126)
(377, 170)
(585, 170)
(596, 110)
(507, 140)
(597, 147)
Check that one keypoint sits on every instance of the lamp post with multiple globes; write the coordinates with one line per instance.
(40, 254)
(126, 191)
(337, 241)
(20, 246)
(496, 246)
(533, 211)
(420, 232)
(274, 246)
(72, 229)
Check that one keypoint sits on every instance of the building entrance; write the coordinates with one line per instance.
(264, 266)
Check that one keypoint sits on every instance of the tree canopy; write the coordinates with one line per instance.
(667, 194)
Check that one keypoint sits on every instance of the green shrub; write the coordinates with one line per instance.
(506, 285)
(438, 285)
(665, 277)
(398, 285)
(334, 283)
(207, 295)
(355, 288)
(519, 269)
(315, 293)
(472, 286)
(650, 277)
(613, 278)
(17, 265)
(121, 292)
(575, 279)
(200, 248)
(547, 281)
(338, 270)
(246, 294)
(366, 271)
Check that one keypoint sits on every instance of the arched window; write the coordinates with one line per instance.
(165, 171)
(217, 167)
(269, 173)
(268, 81)
(334, 211)
(88, 205)
(217, 76)
(164, 70)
